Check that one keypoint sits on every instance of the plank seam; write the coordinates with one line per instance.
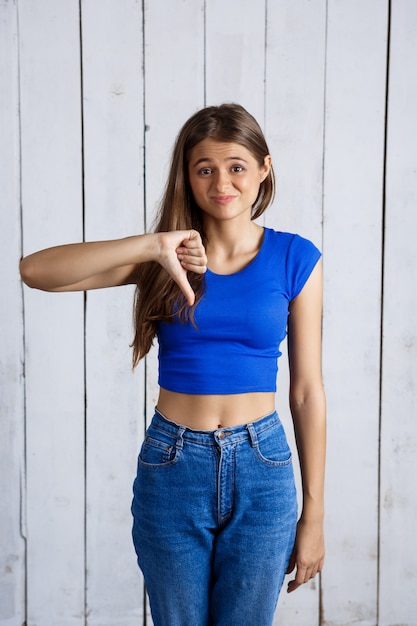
(23, 484)
(381, 338)
(205, 53)
(145, 398)
(323, 167)
(83, 216)
(144, 116)
(265, 62)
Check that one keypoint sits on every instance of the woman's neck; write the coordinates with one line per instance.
(230, 249)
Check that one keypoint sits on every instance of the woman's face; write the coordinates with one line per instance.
(225, 179)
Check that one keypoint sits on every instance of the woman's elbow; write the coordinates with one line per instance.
(302, 397)
(28, 273)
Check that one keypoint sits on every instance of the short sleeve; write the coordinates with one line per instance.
(302, 258)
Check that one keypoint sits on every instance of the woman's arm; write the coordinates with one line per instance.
(308, 408)
(82, 266)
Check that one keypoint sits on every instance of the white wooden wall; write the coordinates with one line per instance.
(92, 94)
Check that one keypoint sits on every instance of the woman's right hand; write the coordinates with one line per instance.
(181, 252)
(99, 264)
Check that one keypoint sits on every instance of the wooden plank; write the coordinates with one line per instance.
(12, 469)
(113, 149)
(353, 182)
(295, 65)
(398, 544)
(52, 213)
(294, 112)
(235, 55)
(174, 90)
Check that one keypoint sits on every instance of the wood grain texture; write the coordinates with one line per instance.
(54, 330)
(295, 89)
(113, 186)
(353, 183)
(398, 543)
(174, 90)
(235, 54)
(12, 424)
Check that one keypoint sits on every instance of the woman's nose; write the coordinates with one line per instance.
(222, 180)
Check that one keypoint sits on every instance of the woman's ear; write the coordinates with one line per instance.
(266, 167)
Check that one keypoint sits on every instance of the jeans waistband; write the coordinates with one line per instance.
(233, 434)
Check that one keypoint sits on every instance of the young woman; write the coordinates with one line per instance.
(215, 510)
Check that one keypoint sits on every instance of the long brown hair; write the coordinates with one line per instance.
(157, 295)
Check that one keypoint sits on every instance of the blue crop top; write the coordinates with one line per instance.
(241, 322)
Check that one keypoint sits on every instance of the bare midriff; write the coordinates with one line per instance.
(210, 412)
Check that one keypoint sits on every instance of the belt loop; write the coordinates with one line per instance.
(180, 442)
(252, 434)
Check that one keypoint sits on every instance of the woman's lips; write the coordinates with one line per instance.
(223, 199)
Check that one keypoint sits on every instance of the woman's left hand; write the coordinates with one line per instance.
(308, 553)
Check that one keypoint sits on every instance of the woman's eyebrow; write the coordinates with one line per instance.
(208, 160)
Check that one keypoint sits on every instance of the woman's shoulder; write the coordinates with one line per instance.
(287, 240)
(294, 254)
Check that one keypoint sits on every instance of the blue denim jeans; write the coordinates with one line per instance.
(214, 521)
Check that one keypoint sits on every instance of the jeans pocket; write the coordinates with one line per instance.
(272, 447)
(157, 453)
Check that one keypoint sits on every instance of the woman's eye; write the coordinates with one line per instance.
(205, 171)
(237, 168)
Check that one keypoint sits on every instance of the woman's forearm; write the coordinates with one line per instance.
(309, 419)
(81, 266)
(87, 265)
